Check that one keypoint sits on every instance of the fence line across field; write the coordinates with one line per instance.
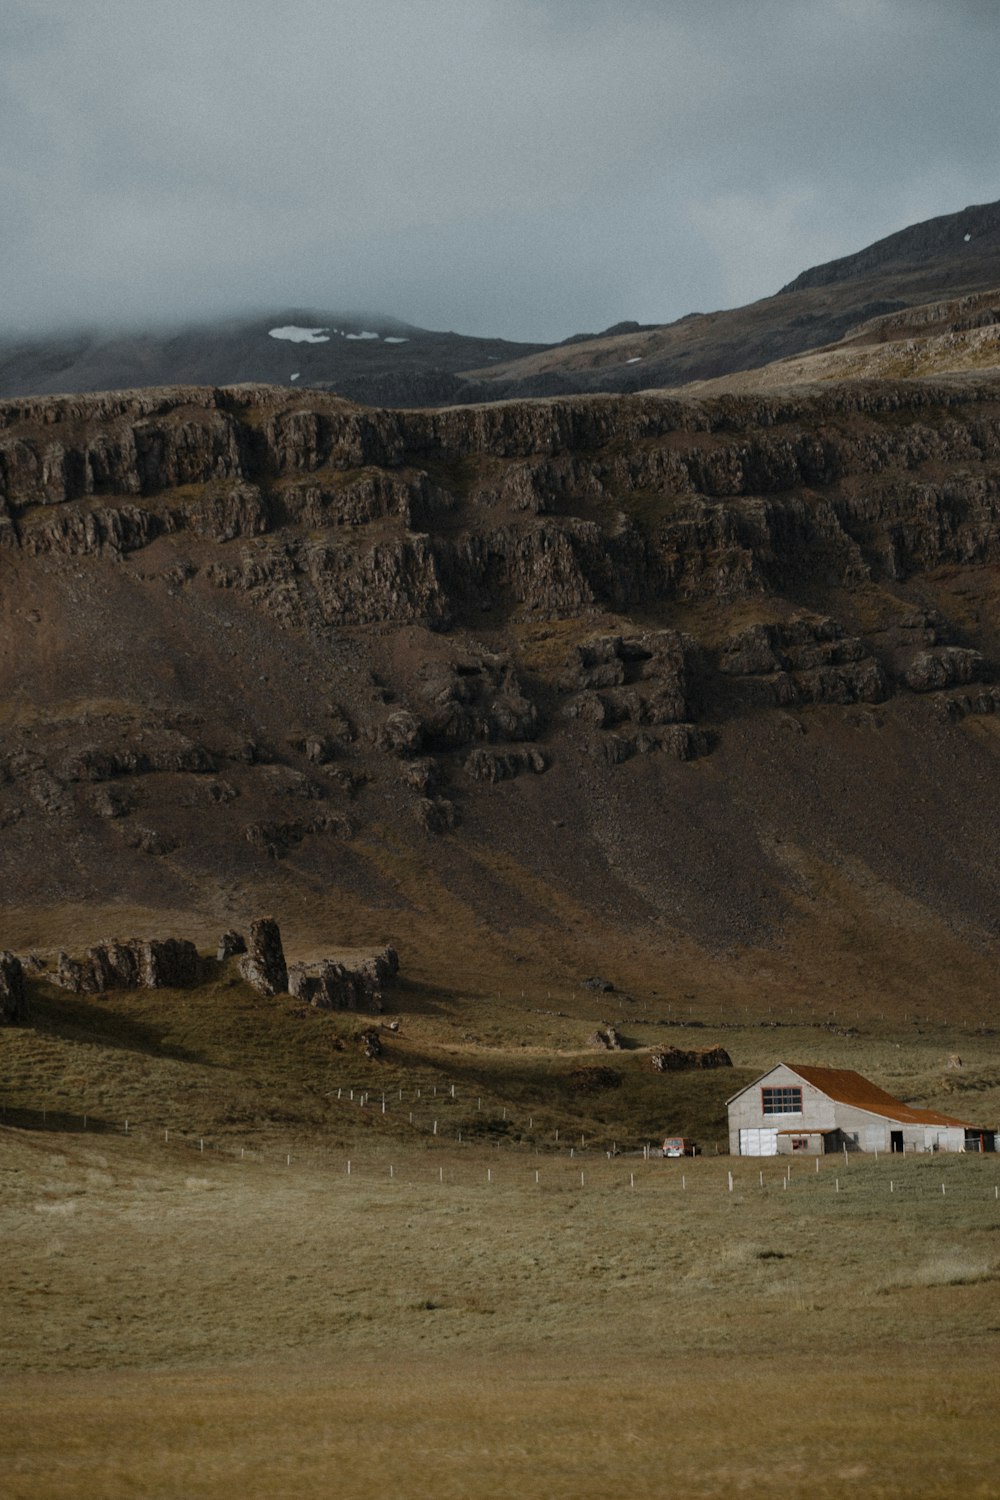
(925, 1177)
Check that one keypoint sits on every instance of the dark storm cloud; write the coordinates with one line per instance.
(528, 167)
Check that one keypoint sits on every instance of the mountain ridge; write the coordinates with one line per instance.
(919, 264)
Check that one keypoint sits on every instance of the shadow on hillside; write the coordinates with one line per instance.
(58, 1121)
(412, 997)
(79, 1019)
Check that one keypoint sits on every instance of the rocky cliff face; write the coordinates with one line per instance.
(246, 633)
(542, 508)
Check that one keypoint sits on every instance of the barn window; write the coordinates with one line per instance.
(800, 1143)
(785, 1101)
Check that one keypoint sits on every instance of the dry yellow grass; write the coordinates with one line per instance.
(229, 1322)
(691, 1426)
(187, 1324)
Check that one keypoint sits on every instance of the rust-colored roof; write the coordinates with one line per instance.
(848, 1087)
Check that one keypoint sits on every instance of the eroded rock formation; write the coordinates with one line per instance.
(138, 963)
(263, 966)
(675, 1059)
(330, 984)
(13, 999)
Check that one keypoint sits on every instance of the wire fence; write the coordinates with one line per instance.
(938, 1179)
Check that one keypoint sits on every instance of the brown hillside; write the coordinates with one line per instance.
(958, 335)
(695, 695)
(953, 256)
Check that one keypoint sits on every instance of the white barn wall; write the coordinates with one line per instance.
(863, 1129)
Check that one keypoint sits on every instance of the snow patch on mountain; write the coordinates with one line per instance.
(296, 335)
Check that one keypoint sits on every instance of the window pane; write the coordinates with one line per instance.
(782, 1101)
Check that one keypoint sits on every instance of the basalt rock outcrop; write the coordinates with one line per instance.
(807, 660)
(263, 966)
(330, 984)
(13, 999)
(138, 963)
(677, 1059)
(737, 495)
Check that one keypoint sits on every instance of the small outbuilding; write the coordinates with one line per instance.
(799, 1108)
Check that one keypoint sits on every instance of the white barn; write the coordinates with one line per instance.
(798, 1108)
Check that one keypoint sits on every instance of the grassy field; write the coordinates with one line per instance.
(189, 1323)
(486, 1299)
(225, 1064)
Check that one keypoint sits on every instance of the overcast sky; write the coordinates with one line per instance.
(530, 168)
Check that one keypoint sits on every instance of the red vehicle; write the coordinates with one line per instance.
(679, 1145)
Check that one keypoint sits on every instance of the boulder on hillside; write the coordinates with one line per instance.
(13, 1000)
(264, 965)
(673, 1059)
(608, 1038)
(436, 814)
(946, 667)
(504, 765)
(370, 1043)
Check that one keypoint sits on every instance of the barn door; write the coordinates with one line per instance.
(758, 1143)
